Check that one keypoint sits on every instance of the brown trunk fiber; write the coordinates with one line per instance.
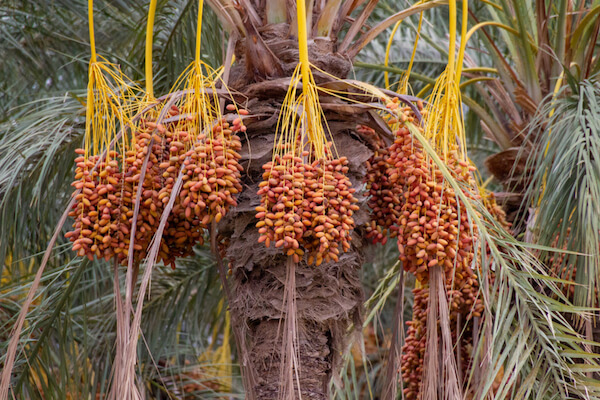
(327, 300)
(271, 53)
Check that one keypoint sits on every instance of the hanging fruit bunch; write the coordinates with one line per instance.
(436, 240)
(386, 192)
(203, 147)
(179, 235)
(431, 234)
(434, 232)
(98, 174)
(434, 229)
(107, 216)
(306, 206)
(280, 214)
(461, 311)
(142, 183)
(331, 203)
(307, 200)
(189, 137)
(412, 200)
(96, 220)
(211, 174)
(413, 351)
(106, 209)
(384, 199)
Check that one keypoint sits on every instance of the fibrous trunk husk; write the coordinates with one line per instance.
(275, 55)
(328, 302)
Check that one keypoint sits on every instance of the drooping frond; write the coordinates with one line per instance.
(79, 330)
(36, 149)
(526, 343)
(564, 189)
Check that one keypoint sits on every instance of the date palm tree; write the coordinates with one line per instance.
(66, 350)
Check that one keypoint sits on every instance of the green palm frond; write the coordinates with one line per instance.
(36, 162)
(526, 331)
(68, 345)
(45, 52)
(565, 186)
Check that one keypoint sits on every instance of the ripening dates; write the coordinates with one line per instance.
(306, 207)
(104, 209)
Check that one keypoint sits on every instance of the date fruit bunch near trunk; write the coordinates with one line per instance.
(295, 243)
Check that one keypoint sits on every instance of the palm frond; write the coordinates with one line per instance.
(36, 162)
(524, 307)
(565, 186)
(67, 348)
(45, 52)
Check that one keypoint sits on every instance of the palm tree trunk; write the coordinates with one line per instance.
(328, 297)
(328, 300)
